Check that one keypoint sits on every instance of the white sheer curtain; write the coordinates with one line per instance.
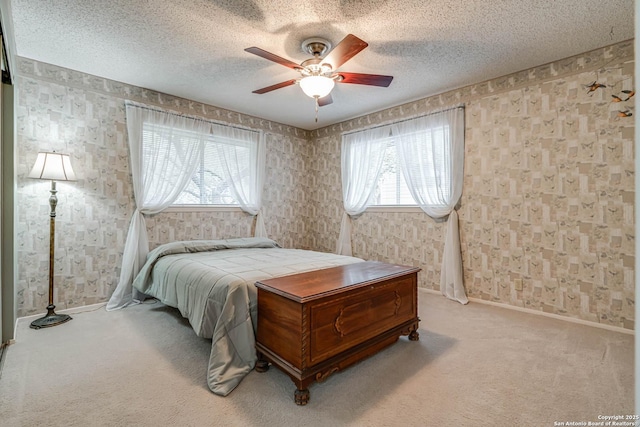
(362, 154)
(431, 156)
(243, 157)
(164, 150)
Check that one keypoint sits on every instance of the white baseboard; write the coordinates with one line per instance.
(540, 313)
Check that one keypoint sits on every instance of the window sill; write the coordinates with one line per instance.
(398, 208)
(203, 208)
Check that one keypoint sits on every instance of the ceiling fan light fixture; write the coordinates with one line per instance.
(317, 86)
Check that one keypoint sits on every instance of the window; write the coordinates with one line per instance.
(392, 189)
(211, 183)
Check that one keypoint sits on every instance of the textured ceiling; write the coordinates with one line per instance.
(195, 48)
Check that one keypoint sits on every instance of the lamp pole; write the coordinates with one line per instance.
(55, 167)
(51, 318)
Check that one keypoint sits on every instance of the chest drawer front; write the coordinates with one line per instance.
(350, 319)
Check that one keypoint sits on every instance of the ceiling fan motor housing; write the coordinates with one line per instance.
(317, 47)
(314, 67)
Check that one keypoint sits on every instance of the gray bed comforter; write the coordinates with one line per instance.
(211, 283)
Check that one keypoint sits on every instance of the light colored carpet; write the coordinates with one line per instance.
(474, 365)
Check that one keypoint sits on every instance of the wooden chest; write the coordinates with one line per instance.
(313, 324)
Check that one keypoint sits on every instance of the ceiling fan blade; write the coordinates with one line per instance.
(325, 100)
(272, 57)
(274, 87)
(345, 50)
(365, 79)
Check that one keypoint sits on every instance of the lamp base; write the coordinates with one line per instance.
(50, 319)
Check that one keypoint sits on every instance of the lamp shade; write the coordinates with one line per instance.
(316, 86)
(54, 166)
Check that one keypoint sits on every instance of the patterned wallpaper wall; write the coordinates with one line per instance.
(547, 211)
(83, 115)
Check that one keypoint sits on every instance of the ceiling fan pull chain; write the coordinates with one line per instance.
(316, 98)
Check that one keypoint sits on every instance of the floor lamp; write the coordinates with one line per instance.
(55, 167)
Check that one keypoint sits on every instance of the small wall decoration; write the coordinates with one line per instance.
(621, 96)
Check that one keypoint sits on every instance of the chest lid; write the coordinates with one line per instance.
(311, 285)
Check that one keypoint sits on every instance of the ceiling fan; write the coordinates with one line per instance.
(318, 75)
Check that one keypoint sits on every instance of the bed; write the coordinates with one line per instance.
(211, 283)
